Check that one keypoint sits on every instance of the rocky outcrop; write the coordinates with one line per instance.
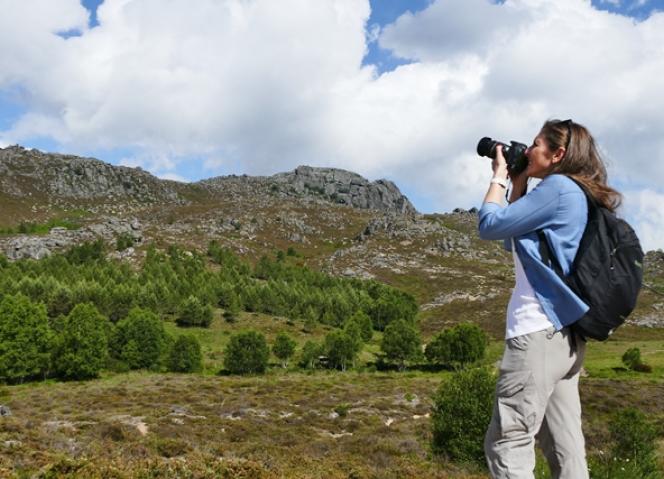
(329, 184)
(345, 187)
(25, 173)
(58, 239)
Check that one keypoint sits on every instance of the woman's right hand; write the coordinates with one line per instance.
(519, 184)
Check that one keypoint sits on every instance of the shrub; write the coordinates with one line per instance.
(461, 414)
(283, 348)
(139, 340)
(185, 355)
(457, 346)
(81, 347)
(86, 252)
(124, 241)
(401, 343)
(634, 439)
(632, 360)
(25, 339)
(194, 312)
(247, 352)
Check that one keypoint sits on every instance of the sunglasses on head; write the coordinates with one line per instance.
(568, 124)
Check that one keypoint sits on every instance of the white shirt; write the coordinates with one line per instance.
(524, 312)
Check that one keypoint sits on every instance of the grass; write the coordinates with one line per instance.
(70, 221)
(283, 424)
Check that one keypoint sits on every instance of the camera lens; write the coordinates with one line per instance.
(487, 147)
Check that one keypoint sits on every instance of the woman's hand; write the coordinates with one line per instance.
(499, 165)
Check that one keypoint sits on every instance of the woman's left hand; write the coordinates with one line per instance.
(499, 165)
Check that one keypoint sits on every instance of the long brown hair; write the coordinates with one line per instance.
(582, 160)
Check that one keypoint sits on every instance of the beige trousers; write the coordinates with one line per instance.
(537, 397)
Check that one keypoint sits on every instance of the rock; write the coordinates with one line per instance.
(5, 411)
(331, 184)
(38, 247)
(67, 176)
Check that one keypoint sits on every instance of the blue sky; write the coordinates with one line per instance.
(397, 89)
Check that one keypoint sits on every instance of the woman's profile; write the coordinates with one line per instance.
(537, 395)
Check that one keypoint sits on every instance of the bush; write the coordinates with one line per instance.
(634, 440)
(124, 241)
(194, 312)
(401, 343)
(86, 252)
(25, 339)
(632, 360)
(81, 347)
(247, 352)
(185, 355)
(461, 414)
(140, 340)
(457, 346)
(283, 348)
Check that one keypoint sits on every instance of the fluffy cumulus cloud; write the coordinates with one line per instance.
(261, 86)
(238, 79)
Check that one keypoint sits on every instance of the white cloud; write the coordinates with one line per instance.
(646, 210)
(262, 86)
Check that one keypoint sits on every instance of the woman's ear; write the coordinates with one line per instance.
(558, 155)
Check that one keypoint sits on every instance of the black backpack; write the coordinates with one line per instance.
(607, 271)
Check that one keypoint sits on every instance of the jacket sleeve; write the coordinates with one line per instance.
(534, 211)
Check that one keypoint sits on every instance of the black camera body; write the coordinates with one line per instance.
(515, 153)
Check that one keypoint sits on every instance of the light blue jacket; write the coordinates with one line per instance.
(557, 206)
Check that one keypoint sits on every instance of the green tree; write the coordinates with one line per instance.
(194, 312)
(392, 305)
(185, 355)
(81, 347)
(461, 414)
(364, 323)
(457, 346)
(25, 339)
(340, 349)
(401, 343)
(247, 352)
(232, 310)
(283, 348)
(140, 340)
(310, 354)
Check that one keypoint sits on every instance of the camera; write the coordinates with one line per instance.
(515, 153)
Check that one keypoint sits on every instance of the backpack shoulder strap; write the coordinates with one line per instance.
(547, 255)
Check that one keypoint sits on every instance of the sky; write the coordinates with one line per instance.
(395, 89)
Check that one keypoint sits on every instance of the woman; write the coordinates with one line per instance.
(537, 393)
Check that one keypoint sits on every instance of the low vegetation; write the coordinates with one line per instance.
(290, 373)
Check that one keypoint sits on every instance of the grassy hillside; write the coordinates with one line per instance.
(366, 422)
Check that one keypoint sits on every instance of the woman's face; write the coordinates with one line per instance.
(540, 158)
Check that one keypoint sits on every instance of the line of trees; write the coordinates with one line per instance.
(72, 315)
(82, 343)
